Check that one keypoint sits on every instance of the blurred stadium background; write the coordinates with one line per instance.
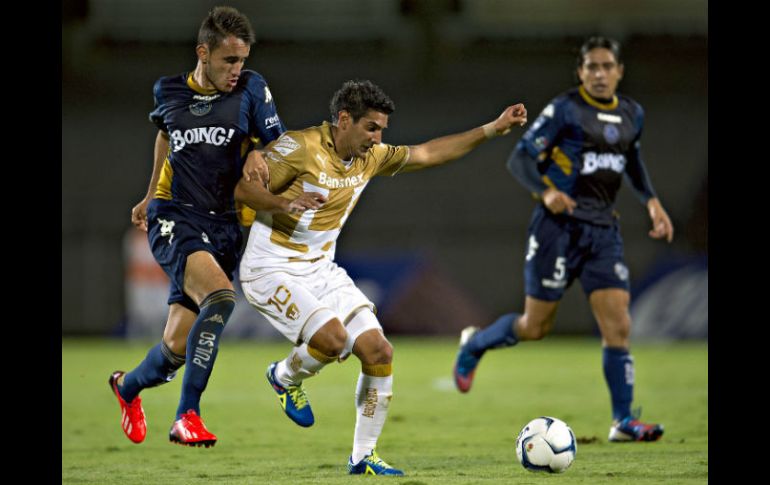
(435, 250)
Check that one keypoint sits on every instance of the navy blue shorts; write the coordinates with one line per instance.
(560, 249)
(176, 231)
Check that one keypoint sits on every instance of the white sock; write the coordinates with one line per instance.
(372, 400)
(299, 365)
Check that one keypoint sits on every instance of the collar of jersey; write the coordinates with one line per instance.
(328, 141)
(197, 88)
(326, 132)
(596, 104)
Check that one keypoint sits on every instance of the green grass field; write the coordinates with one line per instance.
(435, 434)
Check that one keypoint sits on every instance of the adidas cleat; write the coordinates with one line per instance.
(132, 418)
(631, 429)
(189, 430)
(465, 364)
(293, 399)
(371, 465)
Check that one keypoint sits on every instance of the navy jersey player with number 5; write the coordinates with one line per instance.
(574, 158)
(209, 122)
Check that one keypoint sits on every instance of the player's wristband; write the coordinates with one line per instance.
(490, 131)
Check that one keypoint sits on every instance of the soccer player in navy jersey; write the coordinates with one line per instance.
(573, 158)
(209, 122)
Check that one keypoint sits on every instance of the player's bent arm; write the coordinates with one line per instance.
(524, 169)
(255, 167)
(139, 212)
(160, 153)
(258, 198)
(441, 150)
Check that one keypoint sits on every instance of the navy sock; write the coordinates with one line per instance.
(499, 334)
(619, 373)
(202, 345)
(158, 367)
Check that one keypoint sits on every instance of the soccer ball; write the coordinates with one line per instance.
(546, 444)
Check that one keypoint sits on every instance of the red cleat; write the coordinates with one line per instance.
(189, 430)
(465, 363)
(631, 429)
(131, 414)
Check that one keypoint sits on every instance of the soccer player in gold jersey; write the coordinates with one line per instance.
(288, 271)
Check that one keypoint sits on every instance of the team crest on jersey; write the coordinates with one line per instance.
(285, 145)
(292, 312)
(200, 108)
(611, 134)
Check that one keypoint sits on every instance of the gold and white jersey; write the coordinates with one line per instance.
(305, 161)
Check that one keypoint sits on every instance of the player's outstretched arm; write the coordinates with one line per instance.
(139, 211)
(257, 197)
(661, 223)
(446, 148)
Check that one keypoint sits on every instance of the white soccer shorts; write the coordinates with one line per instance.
(299, 302)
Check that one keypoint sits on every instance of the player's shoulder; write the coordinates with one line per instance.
(173, 80)
(256, 84)
(560, 105)
(168, 82)
(570, 98)
(296, 142)
(253, 77)
(254, 81)
(629, 104)
(572, 95)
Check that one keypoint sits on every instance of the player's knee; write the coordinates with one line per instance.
(330, 339)
(336, 346)
(532, 329)
(618, 332)
(624, 330)
(382, 352)
(376, 351)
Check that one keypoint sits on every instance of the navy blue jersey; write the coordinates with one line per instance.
(210, 134)
(584, 147)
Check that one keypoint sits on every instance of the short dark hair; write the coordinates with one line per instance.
(601, 43)
(222, 22)
(357, 97)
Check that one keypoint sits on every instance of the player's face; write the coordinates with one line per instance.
(224, 64)
(365, 132)
(600, 73)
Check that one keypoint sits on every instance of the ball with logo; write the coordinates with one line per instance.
(546, 444)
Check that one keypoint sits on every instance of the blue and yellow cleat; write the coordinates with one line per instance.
(372, 465)
(293, 399)
(631, 429)
(465, 364)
